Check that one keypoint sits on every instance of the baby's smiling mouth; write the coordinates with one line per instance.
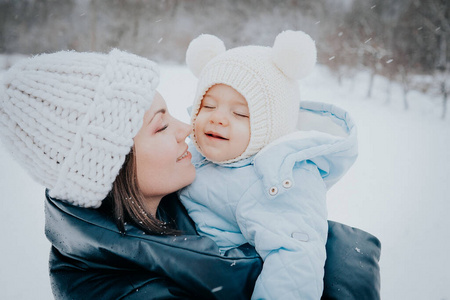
(215, 135)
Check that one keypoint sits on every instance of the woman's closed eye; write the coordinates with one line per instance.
(164, 127)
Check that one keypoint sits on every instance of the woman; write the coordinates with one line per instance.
(89, 128)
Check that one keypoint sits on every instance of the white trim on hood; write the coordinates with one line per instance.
(308, 121)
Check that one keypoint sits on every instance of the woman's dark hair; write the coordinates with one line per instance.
(128, 202)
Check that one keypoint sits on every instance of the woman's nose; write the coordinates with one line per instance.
(218, 117)
(183, 130)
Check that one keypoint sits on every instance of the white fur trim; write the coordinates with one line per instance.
(311, 121)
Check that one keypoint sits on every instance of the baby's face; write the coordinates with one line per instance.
(222, 127)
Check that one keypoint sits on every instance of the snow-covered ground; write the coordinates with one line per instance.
(398, 189)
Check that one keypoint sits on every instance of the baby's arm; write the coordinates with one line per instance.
(289, 231)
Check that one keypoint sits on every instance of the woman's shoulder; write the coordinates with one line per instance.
(60, 214)
(88, 239)
(79, 230)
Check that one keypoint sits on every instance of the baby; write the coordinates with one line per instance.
(260, 179)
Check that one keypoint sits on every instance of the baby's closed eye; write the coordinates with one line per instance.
(241, 114)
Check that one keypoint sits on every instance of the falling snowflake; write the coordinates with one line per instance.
(217, 289)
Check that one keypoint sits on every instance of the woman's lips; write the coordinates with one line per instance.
(184, 155)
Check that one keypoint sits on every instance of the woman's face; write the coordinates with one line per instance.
(163, 162)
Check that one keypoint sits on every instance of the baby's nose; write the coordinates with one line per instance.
(219, 117)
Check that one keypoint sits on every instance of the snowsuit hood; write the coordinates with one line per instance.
(326, 135)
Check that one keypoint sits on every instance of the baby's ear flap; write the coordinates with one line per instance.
(201, 50)
(294, 53)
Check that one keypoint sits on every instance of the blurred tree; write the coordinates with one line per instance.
(436, 16)
(423, 43)
(396, 39)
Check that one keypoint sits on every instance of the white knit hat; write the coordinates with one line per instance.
(266, 77)
(70, 118)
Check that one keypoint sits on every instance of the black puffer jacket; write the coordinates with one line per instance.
(91, 259)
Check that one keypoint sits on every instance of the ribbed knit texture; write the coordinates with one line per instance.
(273, 98)
(70, 118)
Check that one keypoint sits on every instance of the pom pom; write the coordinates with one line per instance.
(201, 50)
(294, 53)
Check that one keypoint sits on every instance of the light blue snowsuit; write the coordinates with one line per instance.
(276, 200)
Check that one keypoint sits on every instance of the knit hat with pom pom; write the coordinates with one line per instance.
(70, 118)
(267, 77)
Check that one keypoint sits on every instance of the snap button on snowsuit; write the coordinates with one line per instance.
(273, 191)
(287, 183)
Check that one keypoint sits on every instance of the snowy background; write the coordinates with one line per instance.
(398, 190)
(371, 54)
